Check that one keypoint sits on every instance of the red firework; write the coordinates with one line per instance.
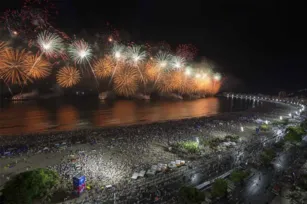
(164, 46)
(187, 51)
(45, 8)
(32, 18)
(112, 33)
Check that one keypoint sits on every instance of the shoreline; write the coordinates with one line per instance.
(137, 146)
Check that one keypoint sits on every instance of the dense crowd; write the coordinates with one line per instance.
(110, 156)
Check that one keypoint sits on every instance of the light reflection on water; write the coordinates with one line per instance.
(68, 114)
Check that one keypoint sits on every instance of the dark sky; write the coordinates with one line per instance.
(261, 42)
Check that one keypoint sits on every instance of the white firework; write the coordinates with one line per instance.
(177, 62)
(135, 55)
(163, 59)
(50, 43)
(118, 52)
(217, 76)
(80, 51)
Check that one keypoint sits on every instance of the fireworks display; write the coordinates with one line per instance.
(103, 67)
(126, 81)
(37, 67)
(151, 72)
(130, 68)
(50, 43)
(3, 46)
(177, 62)
(171, 82)
(135, 55)
(68, 77)
(12, 67)
(186, 51)
(162, 60)
(80, 51)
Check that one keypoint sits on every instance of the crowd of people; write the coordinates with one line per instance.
(110, 156)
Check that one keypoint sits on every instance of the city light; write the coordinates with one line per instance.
(280, 117)
(242, 129)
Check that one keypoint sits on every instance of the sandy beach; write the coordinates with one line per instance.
(109, 156)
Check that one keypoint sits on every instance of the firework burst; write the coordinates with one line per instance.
(80, 51)
(12, 67)
(126, 81)
(186, 51)
(118, 52)
(103, 67)
(170, 82)
(32, 18)
(68, 77)
(177, 62)
(151, 72)
(50, 44)
(3, 46)
(135, 55)
(162, 59)
(217, 77)
(37, 67)
(216, 83)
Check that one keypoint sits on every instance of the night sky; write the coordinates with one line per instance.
(261, 43)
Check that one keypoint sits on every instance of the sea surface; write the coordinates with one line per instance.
(73, 113)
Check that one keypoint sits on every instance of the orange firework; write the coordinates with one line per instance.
(206, 84)
(126, 81)
(189, 86)
(68, 77)
(37, 67)
(103, 67)
(216, 85)
(151, 72)
(164, 85)
(12, 67)
(171, 82)
(3, 46)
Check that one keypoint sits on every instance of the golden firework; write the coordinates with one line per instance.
(126, 81)
(12, 66)
(189, 86)
(216, 85)
(37, 67)
(103, 67)
(151, 72)
(207, 84)
(68, 77)
(3, 46)
(170, 82)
